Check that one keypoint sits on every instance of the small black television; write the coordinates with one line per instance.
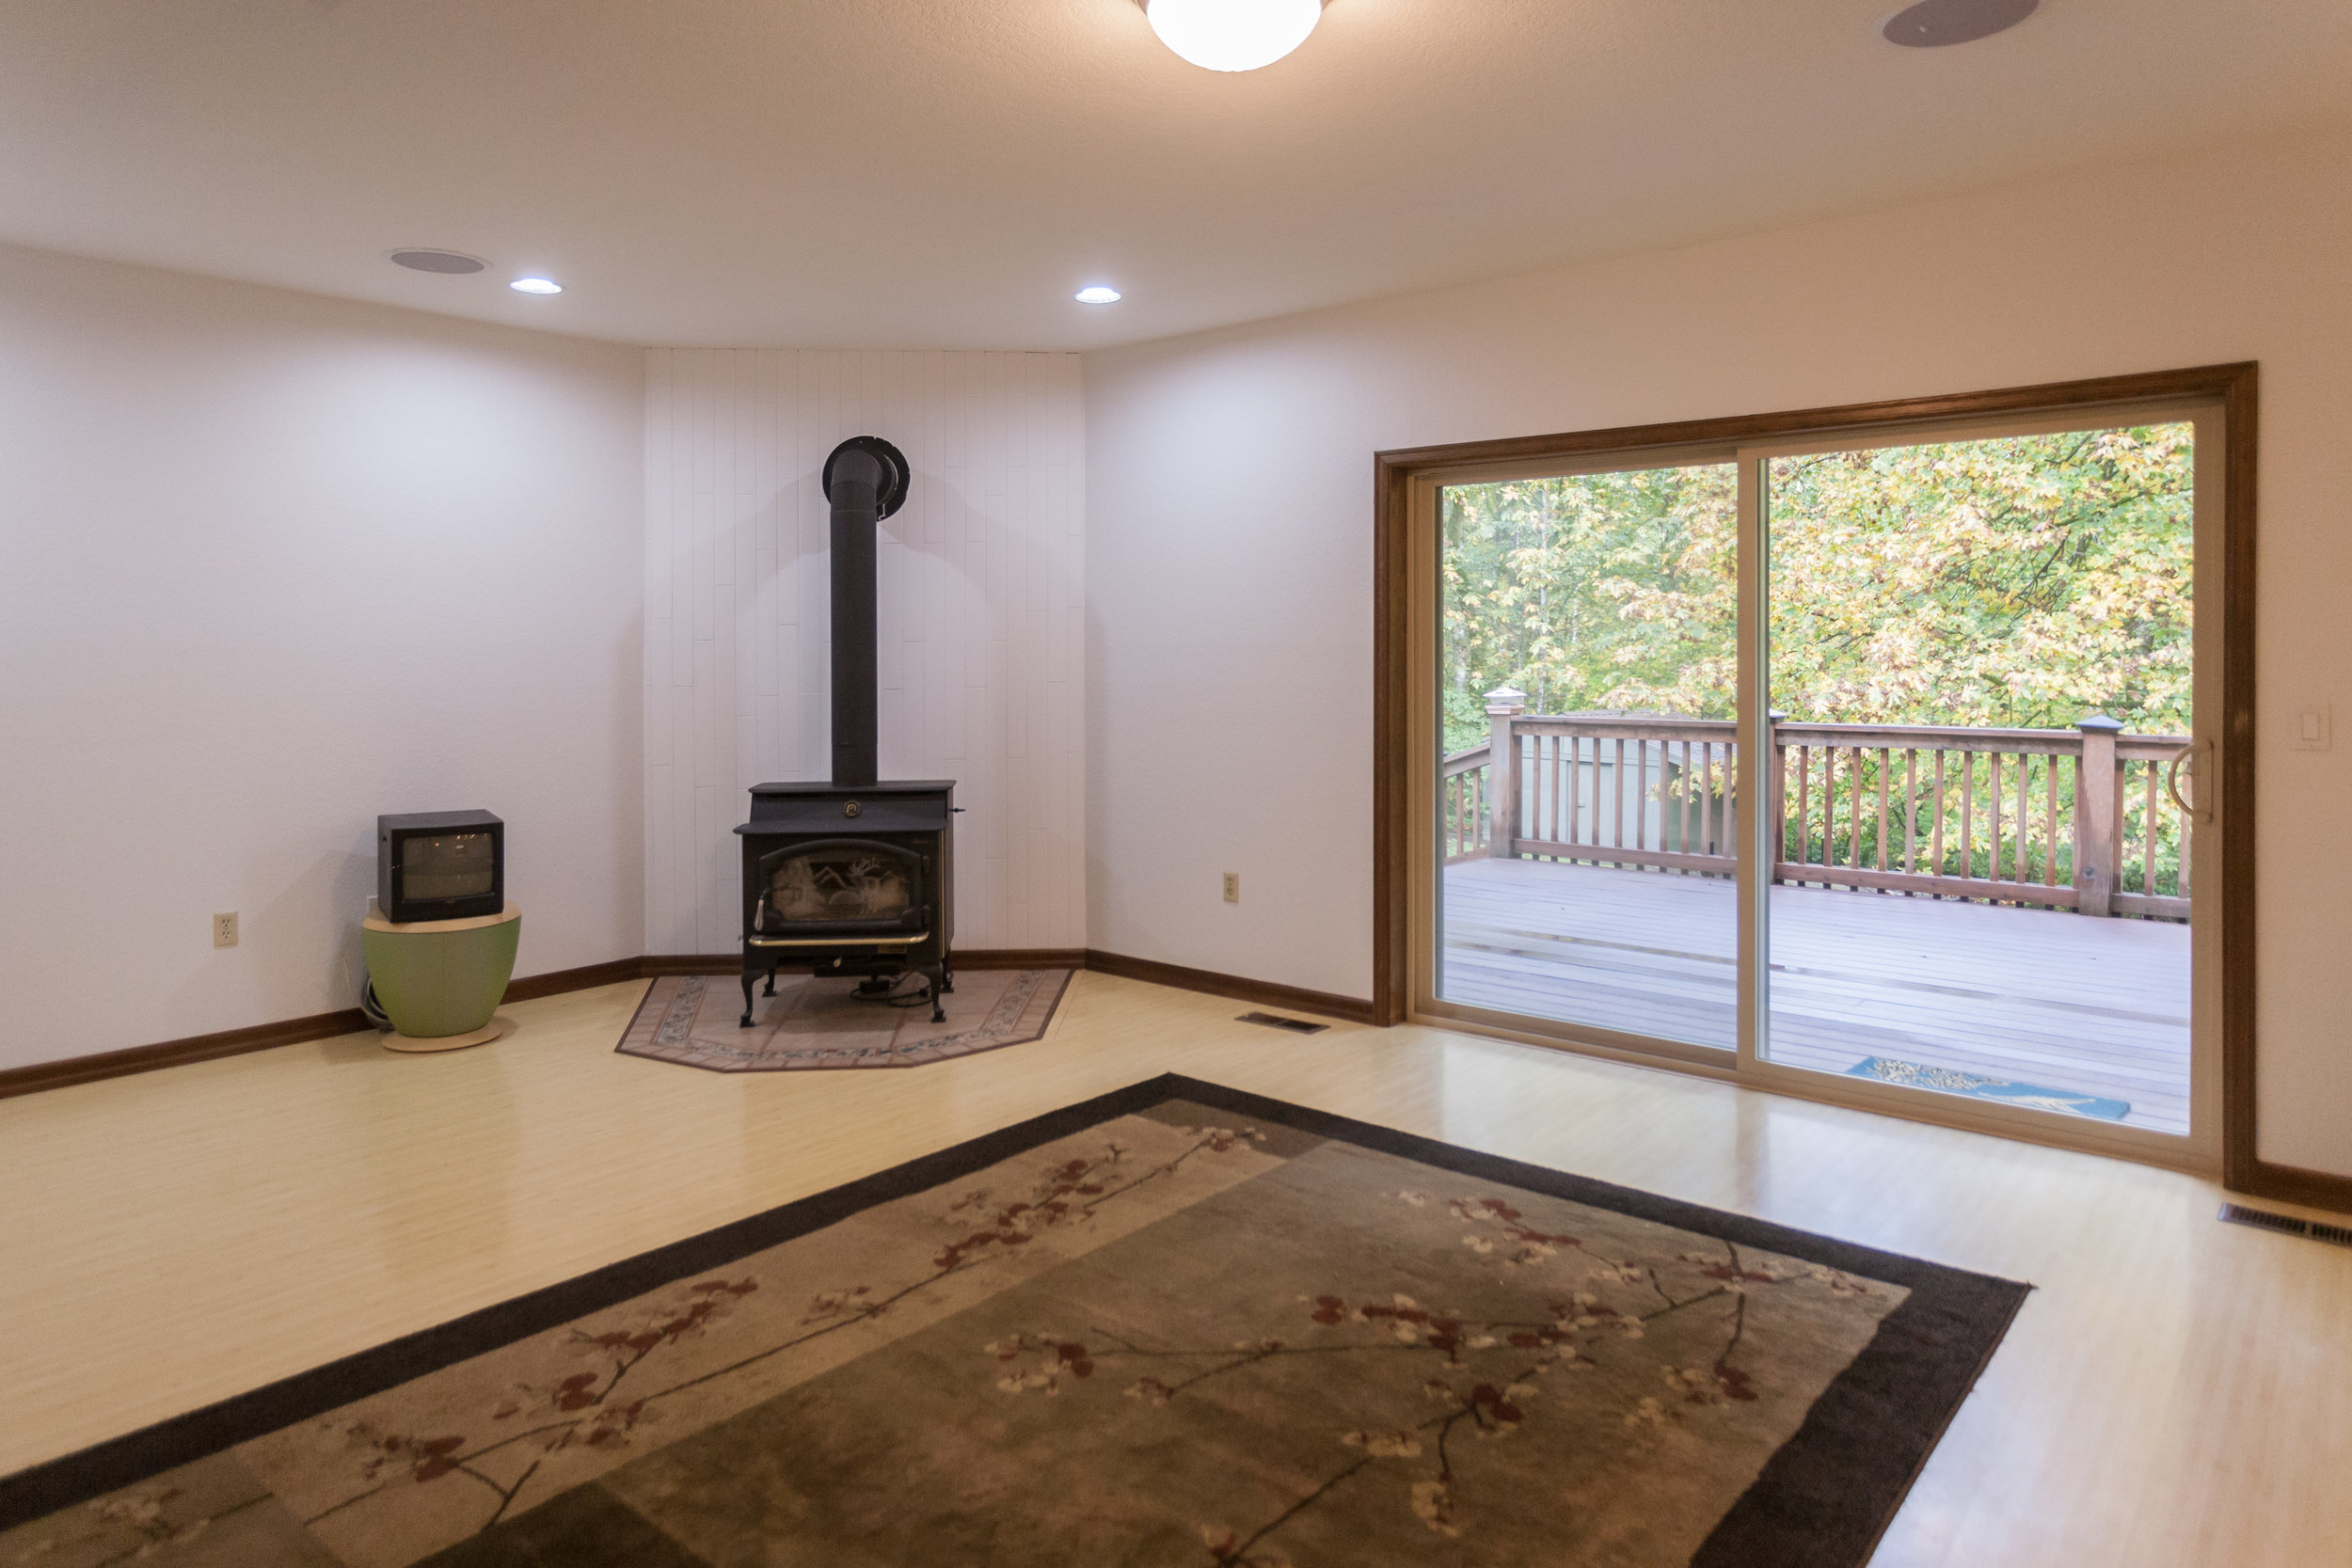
(439, 866)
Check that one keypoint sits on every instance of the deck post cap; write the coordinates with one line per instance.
(2100, 723)
(1505, 700)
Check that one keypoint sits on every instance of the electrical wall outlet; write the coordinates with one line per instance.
(1233, 887)
(2311, 726)
(225, 930)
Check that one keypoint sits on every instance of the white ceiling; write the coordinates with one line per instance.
(945, 173)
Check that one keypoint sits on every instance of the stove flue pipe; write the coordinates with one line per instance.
(865, 479)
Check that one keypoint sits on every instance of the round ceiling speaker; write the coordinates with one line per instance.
(436, 261)
(1933, 24)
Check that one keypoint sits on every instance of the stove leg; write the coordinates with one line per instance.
(748, 978)
(939, 987)
(772, 984)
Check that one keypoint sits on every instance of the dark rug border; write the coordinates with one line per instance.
(1067, 971)
(1827, 1494)
(1824, 1498)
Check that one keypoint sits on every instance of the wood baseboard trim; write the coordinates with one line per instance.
(653, 965)
(268, 1037)
(1021, 957)
(320, 1026)
(2313, 1189)
(1264, 992)
(163, 1053)
(555, 983)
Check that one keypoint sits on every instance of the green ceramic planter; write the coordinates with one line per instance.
(434, 983)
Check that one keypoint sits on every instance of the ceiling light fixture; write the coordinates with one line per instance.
(1933, 24)
(1232, 34)
(420, 258)
(1098, 295)
(535, 286)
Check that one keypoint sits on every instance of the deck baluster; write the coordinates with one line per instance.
(1882, 843)
(1853, 813)
(1804, 807)
(1967, 814)
(1682, 815)
(1996, 792)
(1551, 786)
(2049, 822)
(1833, 836)
(1616, 811)
(1911, 811)
(1935, 849)
(1640, 801)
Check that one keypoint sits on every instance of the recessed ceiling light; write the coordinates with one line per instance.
(535, 286)
(1098, 295)
(435, 261)
(1931, 24)
(1232, 34)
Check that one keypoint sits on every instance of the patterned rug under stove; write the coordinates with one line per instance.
(696, 1020)
(1175, 1325)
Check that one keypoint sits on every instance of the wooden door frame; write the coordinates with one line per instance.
(2234, 386)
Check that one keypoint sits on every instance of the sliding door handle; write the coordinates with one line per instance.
(2199, 755)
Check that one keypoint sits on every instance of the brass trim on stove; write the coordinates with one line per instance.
(837, 942)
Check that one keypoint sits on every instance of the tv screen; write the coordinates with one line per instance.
(453, 866)
(440, 865)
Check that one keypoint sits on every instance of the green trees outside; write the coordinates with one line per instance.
(2019, 582)
(1591, 591)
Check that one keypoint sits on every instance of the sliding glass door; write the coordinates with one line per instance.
(1868, 766)
(1588, 627)
(1980, 663)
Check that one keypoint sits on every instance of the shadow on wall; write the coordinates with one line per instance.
(338, 881)
(798, 519)
(354, 883)
(628, 765)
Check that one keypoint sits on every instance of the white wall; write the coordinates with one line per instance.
(1229, 506)
(271, 564)
(980, 583)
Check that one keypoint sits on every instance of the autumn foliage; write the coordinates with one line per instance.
(2024, 581)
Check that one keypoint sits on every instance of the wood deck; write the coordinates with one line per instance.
(2066, 1001)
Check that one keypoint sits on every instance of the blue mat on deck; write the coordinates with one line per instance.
(1888, 1069)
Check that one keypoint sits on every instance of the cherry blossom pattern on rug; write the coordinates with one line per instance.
(1177, 1337)
(1350, 1359)
(392, 1479)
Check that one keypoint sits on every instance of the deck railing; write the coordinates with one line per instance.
(2083, 818)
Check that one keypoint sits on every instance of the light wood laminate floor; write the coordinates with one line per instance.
(2176, 1391)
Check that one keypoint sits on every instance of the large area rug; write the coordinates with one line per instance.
(1175, 1325)
(696, 1020)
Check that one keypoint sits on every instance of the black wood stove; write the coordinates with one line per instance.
(854, 876)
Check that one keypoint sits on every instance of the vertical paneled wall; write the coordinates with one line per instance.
(981, 588)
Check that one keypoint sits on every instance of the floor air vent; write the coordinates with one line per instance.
(2287, 1224)
(1295, 1025)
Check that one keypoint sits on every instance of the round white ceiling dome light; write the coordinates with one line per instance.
(1933, 24)
(536, 286)
(421, 259)
(1097, 293)
(1232, 34)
